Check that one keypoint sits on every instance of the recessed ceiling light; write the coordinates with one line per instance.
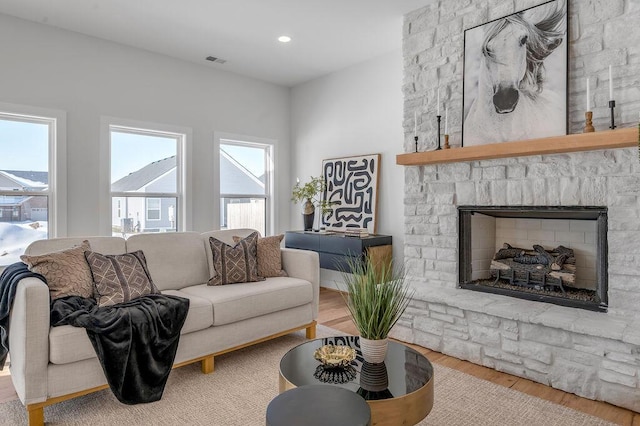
(284, 39)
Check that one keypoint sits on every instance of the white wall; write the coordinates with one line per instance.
(355, 111)
(89, 78)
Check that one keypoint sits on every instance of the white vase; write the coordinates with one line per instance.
(373, 351)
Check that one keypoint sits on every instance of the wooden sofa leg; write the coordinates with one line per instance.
(207, 365)
(311, 332)
(36, 415)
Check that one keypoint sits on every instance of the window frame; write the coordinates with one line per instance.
(182, 195)
(269, 146)
(56, 191)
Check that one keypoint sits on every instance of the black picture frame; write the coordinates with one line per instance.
(497, 104)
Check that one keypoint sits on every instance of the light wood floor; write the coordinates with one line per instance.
(334, 314)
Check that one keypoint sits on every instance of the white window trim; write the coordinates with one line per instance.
(270, 175)
(183, 162)
(57, 191)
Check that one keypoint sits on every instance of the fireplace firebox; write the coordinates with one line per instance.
(554, 254)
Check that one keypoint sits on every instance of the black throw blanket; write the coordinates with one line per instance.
(136, 341)
(9, 279)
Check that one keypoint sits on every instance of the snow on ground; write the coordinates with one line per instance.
(16, 236)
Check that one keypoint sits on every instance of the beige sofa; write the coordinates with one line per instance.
(52, 364)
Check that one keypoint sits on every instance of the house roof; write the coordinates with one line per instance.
(140, 178)
(234, 178)
(38, 177)
(12, 180)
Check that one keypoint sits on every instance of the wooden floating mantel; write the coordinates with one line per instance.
(621, 138)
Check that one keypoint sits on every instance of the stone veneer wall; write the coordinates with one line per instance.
(595, 355)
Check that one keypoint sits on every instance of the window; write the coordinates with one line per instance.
(146, 179)
(30, 178)
(246, 169)
(153, 208)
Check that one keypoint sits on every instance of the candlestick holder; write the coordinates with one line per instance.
(588, 125)
(439, 120)
(415, 138)
(446, 141)
(612, 105)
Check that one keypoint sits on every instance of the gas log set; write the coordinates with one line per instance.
(535, 268)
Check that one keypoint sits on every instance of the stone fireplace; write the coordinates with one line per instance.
(553, 254)
(592, 353)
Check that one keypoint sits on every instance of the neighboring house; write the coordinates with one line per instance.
(237, 185)
(141, 214)
(144, 214)
(20, 208)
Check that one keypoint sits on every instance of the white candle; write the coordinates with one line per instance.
(415, 123)
(298, 180)
(438, 102)
(588, 96)
(446, 121)
(610, 85)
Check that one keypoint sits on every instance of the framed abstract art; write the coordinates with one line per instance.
(352, 190)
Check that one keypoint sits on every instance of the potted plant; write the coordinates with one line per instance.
(311, 193)
(377, 296)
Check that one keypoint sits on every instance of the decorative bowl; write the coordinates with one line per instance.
(335, 356)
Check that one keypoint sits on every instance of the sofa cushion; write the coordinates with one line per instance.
(119, 278)
(175, 259)
(69, 344)
(66, 271)
(235, 263)
(200, 315)
(237, 302)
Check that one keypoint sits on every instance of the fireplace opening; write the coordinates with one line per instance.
(553, 254)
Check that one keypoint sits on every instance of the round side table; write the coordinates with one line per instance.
(318, 405)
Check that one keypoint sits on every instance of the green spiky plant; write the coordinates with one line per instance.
(377, 296)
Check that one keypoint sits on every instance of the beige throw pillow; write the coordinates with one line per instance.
(237, 264)
(120, 278)
(66, 271)
(269, 256)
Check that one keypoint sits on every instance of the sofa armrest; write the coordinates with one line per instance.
(304, 264)
(29, 340)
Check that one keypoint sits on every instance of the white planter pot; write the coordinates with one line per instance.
(373, 351)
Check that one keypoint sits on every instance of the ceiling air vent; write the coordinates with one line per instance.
(216, 60)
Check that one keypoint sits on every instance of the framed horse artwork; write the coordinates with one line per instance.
(515, 76)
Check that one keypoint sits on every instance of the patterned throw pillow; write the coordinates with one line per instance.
(120, 278)
(237, 264)
(66, 271)
(269, 256)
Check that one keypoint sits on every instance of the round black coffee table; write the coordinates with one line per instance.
(399, 391)
(318, 405)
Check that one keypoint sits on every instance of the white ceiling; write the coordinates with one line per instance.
(328, 35)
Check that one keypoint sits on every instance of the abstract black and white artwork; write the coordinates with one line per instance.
(352, 190)
(515, 76)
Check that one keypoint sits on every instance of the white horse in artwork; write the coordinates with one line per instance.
(511, 102)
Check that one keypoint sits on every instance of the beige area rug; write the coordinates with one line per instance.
(245, 381)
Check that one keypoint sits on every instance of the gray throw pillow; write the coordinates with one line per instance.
(120, 278)
(235, 264)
